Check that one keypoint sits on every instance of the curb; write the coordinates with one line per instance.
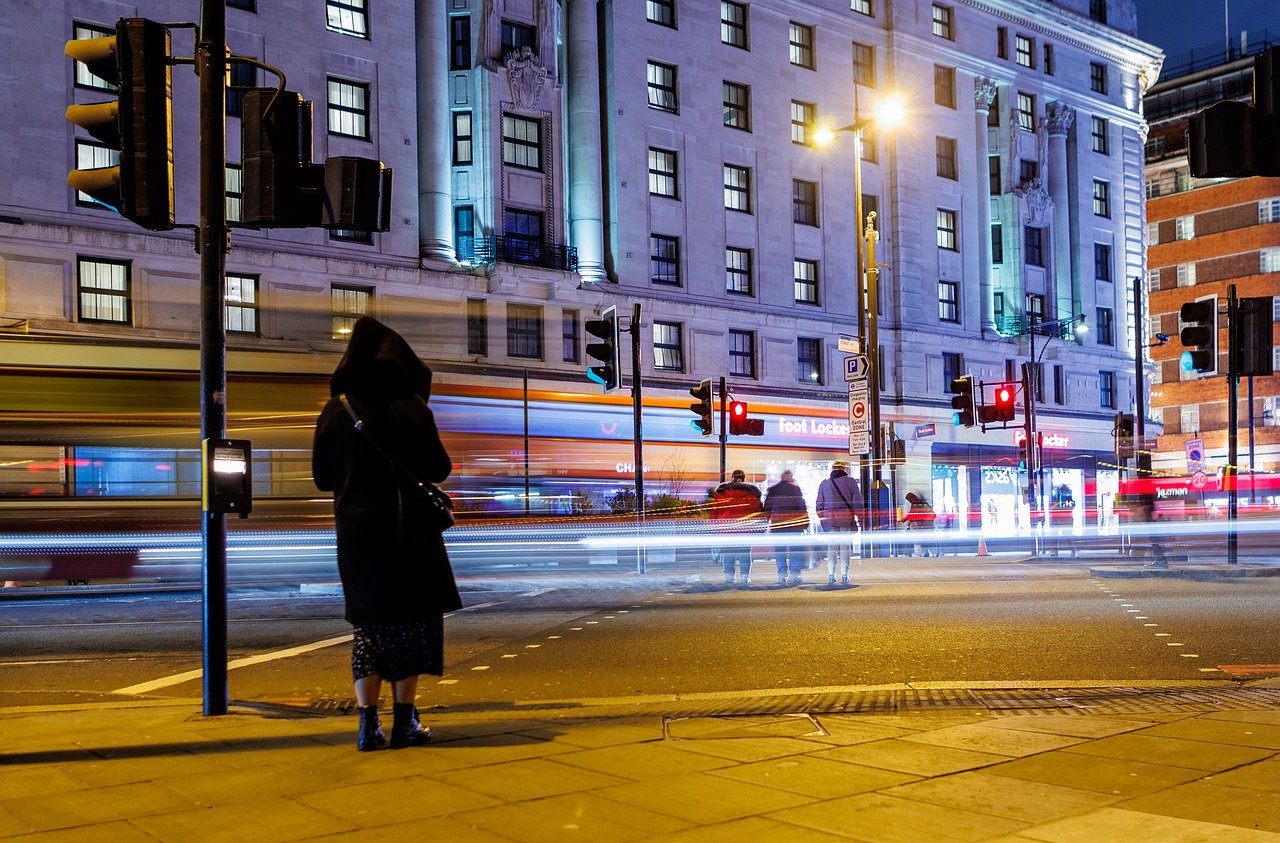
(1187, 572)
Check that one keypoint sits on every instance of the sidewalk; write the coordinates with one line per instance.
(1079, 764)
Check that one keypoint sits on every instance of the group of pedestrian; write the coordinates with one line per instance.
(739, 509)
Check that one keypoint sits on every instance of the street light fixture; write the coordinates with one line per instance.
(890, 111)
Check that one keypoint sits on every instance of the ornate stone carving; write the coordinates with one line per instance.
(527, 76)
(1059, 116)
(1037, 206)
(984, 92)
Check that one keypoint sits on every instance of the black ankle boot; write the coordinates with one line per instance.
(406, 730)
(370, 731)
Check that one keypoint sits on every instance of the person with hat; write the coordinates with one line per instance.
(735, 508)
(787, 512)
(920, 516)
(839, 502)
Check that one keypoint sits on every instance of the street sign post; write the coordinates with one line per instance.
(859, 420)
(1195, 456)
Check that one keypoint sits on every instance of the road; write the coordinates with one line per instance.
(961, 621)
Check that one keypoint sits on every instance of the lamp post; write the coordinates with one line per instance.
(889, 112)
(1049, 330)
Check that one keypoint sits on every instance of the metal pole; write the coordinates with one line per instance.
(1029, 435)
(724, 427)
(873, 359)
(211, 244)
(526, 440)
(859, 276)
(1142, 459)
(1251, 456)
(639, 436)
(1233, 422)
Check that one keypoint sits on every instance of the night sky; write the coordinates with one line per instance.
(1177, 26)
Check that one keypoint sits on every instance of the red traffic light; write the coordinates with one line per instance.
(738, 409)
(739, 424)
(1004, 402)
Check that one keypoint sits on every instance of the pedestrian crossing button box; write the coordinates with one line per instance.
(228, 475)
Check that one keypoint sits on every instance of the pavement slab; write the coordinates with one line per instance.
(394, 800)
(1173, 752)
(574, 816)
(1072, 725)
(642, 761)
(531, 778)
(917, 759)
(887, 819)
(1014, 799)
(821, 778)
(1116, 776)
(1264, 775)
(993, 738)
(228, 785)
(264, 821)
(1238, 733)
(703, 798)
(96, 805)
(1213, 803)
(1106, 824)
(749, 749)
(749, 828)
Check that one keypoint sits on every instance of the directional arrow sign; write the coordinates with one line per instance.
(859, 428)
(856, 367)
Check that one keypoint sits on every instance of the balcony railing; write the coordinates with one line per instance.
(488, 250)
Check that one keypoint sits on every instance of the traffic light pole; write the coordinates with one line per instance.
(641, 561)
(1233, 422)
(724, 426)
(211, 243)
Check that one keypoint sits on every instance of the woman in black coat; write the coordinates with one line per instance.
(396, 578)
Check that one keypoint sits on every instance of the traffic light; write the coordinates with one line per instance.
(605, 352)
(1124, 435)
(740, 424)
(280, 187)
(1200, 335)
(702, 407)
(1252, 350)
(962, 401)
(1004, 406)
(139, 124)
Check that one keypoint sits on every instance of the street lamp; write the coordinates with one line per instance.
(1050, 329)
(889, 112)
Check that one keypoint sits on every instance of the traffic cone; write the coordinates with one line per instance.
(982, 546)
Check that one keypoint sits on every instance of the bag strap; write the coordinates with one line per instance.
(358, 424)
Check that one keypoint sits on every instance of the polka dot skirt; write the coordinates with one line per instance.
(398, 651)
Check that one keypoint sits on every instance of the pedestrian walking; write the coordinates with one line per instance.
(1143, 511)
(920, 516)
(838, 505)
(787, 512)
(735, 509)
(375, 447)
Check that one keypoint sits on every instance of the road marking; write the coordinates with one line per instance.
(1208, 670)
(1133, 610)
(1190, 655)
(447, 682)
(575, 629)
(1141, 618)
(554, 637)
(481, 667)
(1151, 624)
(592, 622)
(1124, 605)
(1174, 644)
(532, 646)
(509, 655)
(187, 676)
(1163, 634)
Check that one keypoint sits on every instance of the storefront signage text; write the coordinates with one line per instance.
(1051, 440)
(812, 427)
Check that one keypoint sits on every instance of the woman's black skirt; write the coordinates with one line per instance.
(398, 651)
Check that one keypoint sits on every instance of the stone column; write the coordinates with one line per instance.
(586, 217)
(1058, 119)
(435, 195)
(984, 92)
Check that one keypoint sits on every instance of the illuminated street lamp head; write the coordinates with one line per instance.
(823, 135)
(891, 111)
(1081, 328)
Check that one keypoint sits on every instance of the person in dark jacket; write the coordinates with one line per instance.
(396, 579)
(735, 508)
(787, 512)
(838, 505)
(920, 516)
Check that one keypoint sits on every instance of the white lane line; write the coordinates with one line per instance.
(1163, 634)
(481, 667)
(1174, 644)
(179, 678)
(1190, 655)
(1141, 618)
(554, 637)
(510, 655)
(532, 646)
(447, 682)
(1208, 670)
(1151, 624)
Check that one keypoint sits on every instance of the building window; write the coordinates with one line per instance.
(945, 151)
(947, 230)
(1269, 261)
(661, 12)
(523, 231)
(517, 37)
(1035, 308)
(737, 106)
(1033, 245)
(459, 42)
(952, 366)
(1048, 59)
(802, 115)
(997, 309)
(805, 280)
(668, 352)
(1097, 77)
(1028, 171)
(569, 336)
(1106, 326)
(351, 235)
(241, 302)
(1059, 384)
(864, 65)
(103, 290)
(742, 354)
(737, 188)
(662, 87)
(733, 24)
(942, 22)
(235, 192)
(477, 327)
(350, 17)
(662, 172)
(944, 86)
(243, 76)
(1026, 111)
(1184, 228)
(1153, 280)
(246, 5)
(1002, 42)
(993, 175)
(664, 259)
(1101, 198)
(948, 301)
(808, 360)
(346, 305)
(1107, 390)
(997, 243)
(801, 45)
(1186, 274)
(524, 331)
(91, 155)
(1024, 51)
(522, 142)
(349, 109)
(869, 145)
(85, 79)
(993, 112)
(737, 271)
(1098, 10)
(804, 202)
(461, 138)
(464, 232)
(1268, 211)
(1153, 234)
(1189, 418)
(862, 7)
(1102, 261)
(1099, 136)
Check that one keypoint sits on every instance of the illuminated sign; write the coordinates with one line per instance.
(813, 427)
(1051, 440)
